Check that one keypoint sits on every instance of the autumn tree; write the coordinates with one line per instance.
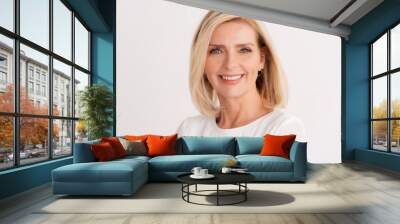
(380, 127)
(33, 131)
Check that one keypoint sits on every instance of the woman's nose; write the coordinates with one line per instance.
(231, 61)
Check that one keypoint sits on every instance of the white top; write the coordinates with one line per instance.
(277, 122)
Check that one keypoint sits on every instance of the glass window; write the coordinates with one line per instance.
(33, 140)
(6, 142)
(395, 47)
(62, 137)
(30, 72)
(34, 21)
(62, 75)
(40, 62)
(395, 95)
(385, 128)
(38, 89)
(81, 131)
(395, 138)
(6, 73)
(379, 55)
(379, 97)
(81, 45)
(34, 80)
(379, 135)
(7, 14)
(62, 29)
(81, 82)
(3, 60)
(30, 87)
(44, 91)
(3, 78)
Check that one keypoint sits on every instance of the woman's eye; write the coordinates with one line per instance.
(215, 51)
(245, 50)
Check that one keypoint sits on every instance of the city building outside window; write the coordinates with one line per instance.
(57, 127)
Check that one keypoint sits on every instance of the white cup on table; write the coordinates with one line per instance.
(226, 170)
(196, 171)
(203, 172)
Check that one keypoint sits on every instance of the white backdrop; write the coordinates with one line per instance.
(153, 48)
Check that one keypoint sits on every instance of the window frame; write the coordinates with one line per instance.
(388, 74)
(16, 115)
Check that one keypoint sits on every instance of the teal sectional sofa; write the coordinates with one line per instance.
(125, 176)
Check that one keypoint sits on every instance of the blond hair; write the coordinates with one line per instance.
(271, 84)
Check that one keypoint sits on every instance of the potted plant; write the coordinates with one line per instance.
(96, 102)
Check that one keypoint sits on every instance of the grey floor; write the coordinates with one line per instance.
(377, 188)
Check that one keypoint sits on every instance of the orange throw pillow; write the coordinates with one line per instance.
(277, 145)
(103, 151)
(135, 138)
(116, 145)
(161, 145)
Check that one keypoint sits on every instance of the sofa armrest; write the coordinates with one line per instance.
(298, 155)
(83, 152)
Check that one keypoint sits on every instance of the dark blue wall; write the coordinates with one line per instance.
(356, 103)
(99, 16)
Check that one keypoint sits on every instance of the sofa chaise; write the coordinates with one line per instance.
(126, 175)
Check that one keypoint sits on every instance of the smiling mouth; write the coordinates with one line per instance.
(231, 77)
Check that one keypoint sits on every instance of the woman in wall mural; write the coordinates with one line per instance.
(236, 81)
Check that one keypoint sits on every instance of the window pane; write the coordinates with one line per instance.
(34, 80)
(395, 47)
(33, 140)
(35, 21)
(62, 89)
(6, 74)
(395, 136)
(7, 14)
(379, 135)
(81, 81)
(6, 142)
(379, 55)
(81, 45)
(81, 131)
(62, 138)
(379, 100)
(395, 94)
(62, 29)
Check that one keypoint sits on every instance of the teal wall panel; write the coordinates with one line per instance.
(24, 178)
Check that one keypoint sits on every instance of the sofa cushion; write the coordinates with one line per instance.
(195, 145)
(277, 145)
(161, 145)
(185, 163)
(249, 145)
(103, 152)
(116, 145)
(134, 147)
(257, 163)
(111, 171)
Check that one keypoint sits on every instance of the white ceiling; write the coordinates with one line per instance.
(327, 16)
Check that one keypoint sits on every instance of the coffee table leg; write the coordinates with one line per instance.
(245, 193)
(196, 188)
(217, 194)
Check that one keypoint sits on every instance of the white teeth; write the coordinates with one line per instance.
(231, 77)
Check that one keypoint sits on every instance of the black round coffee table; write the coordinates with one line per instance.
(238, 179)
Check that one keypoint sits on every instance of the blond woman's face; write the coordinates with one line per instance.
(233, 59)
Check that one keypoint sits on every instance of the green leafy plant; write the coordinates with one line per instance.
(96, 102)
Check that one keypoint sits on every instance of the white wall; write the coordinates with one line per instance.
(153, 47)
